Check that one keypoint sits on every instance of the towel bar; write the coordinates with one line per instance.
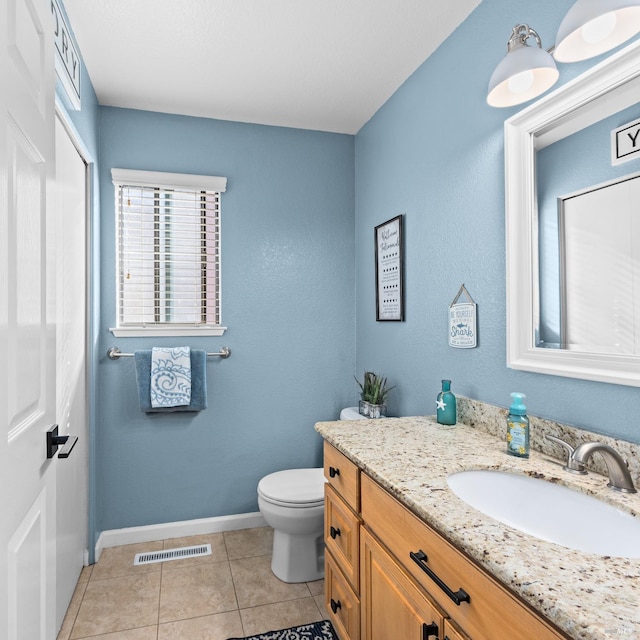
(114, 353)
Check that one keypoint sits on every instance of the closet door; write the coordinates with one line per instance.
(71, 369)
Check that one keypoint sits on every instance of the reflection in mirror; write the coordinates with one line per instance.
(572, 164)
(599, 233)
(559, 148)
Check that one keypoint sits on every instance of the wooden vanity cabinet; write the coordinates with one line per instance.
(390, 576)
(472, 599)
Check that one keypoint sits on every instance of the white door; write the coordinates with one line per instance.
(27, 321)
(600, 265)
(71, 381)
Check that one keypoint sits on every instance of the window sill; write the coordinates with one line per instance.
(167, 331)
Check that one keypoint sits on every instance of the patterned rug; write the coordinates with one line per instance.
(316, 631)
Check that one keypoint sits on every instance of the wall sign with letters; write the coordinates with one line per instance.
(67, 56)
(625, 143)
(389, 248)
(462, 322)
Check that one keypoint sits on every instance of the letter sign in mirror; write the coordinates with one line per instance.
(625, 143)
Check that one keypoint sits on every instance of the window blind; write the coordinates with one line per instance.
(168, 253)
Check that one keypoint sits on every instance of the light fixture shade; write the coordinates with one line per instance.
(592, 27)
(523, 74)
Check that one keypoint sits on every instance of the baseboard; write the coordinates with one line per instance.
(149, 533)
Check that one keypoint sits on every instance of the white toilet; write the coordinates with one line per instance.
(292, 502)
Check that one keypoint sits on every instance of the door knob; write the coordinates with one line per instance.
(54, 441)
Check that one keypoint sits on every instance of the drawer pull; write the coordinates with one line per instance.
(429, 630)
(333, 472)
(420, 558)
(334, 533)
(335, 605)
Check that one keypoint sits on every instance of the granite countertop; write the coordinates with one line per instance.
(588, 596)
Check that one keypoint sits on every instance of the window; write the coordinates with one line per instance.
(168, 253)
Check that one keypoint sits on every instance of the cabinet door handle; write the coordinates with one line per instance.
(333, 472)
(335, 605)
(429, 630)
(334, 533)
(420, 558)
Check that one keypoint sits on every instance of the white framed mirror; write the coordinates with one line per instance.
(607, 89)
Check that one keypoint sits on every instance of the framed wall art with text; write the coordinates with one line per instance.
(389, 245)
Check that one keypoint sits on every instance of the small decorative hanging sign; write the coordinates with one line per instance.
(462, 322)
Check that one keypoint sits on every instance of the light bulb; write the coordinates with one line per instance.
(521, 82)
(599, 28)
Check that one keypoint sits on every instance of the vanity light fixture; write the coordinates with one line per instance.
(524, 73)
(590, 27)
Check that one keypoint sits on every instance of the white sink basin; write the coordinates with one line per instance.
(550, 512)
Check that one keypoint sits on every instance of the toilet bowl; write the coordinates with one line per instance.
(292, 503)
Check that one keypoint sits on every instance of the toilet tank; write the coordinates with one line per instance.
(351, 413)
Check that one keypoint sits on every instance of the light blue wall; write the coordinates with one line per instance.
(287, 298)
(434, 153)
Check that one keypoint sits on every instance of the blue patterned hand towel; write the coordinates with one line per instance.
(170, 377)
(198, 382)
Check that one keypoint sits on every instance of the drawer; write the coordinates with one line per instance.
(341, 603)
(342, 475)
(448, 571)
(342, 535)
(452, 633)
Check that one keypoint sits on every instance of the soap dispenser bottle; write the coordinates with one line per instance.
(446, 405)
(518, 427)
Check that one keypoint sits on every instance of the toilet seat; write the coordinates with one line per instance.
(294, 488)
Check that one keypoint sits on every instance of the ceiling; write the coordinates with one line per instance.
(325, 65)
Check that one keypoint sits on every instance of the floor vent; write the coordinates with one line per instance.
(172, 554)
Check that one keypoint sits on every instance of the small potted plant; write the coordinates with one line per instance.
(373, 392)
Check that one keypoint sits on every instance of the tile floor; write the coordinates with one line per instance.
(231, 593)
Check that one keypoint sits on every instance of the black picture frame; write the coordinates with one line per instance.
(389, 250)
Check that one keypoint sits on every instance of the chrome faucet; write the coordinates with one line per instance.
(619, 476)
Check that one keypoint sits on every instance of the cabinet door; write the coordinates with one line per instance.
(392, 605)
